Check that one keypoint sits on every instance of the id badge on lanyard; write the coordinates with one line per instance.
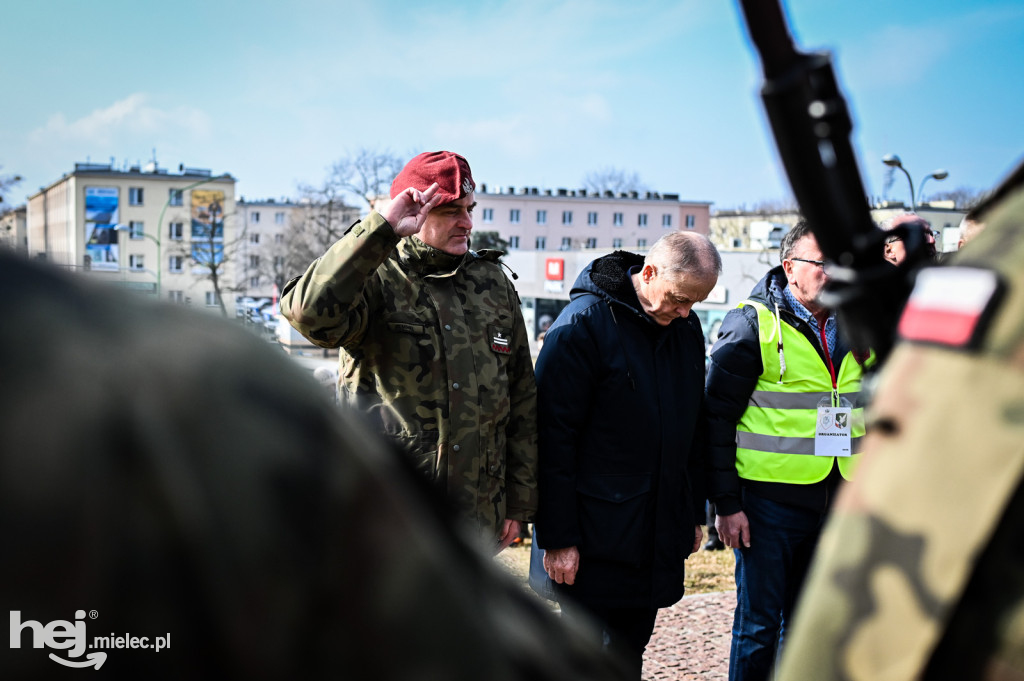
(833, 434)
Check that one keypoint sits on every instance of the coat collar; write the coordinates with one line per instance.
(427, 260)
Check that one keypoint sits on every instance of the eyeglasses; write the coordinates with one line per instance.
(819, 263)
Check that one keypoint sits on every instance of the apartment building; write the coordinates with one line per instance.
(13, 230)
(532, 219)
(265, 224)
(143, 228)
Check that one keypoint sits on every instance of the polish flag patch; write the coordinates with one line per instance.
(948, 305)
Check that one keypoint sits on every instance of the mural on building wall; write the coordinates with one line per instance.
(207, 226)
(101, 251)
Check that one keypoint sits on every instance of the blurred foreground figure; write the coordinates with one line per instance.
(920, 571)
(179, 501)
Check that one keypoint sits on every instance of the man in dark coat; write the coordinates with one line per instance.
(620, 387)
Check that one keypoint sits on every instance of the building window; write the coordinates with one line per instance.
(278, 261)
(592, 242)
(254, 282)
(211, 299)
(488, 215)
(592, 218)
(254, 217)
(691, 221)
(566, 217)
(135, 196)
(666, 220)
(176, 231)
(616, 243)
(566, 243)
(176, 197)
(279, 238)
(513, 242)
(175, 296)
(254, 238)
(542, 243)
(136, 262)
(136, 229)
(513, 216)
(254, 261)
(641, 243)
(542, 217)
(641, 220)
(279, 218)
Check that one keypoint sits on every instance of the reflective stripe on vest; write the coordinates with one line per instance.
(775, 436)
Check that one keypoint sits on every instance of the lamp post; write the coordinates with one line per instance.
(893, 161)
(160, 221)
(127, 228)
(938, 175)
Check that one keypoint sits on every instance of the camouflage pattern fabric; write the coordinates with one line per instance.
(173, 474)
(920, 572)
(434, 348)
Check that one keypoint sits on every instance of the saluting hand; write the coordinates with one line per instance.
(407, 211)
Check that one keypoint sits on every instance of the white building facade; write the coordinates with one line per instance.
(143, 228)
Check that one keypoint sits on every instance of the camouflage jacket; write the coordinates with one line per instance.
(918, 574)
(176, 476)
(434, 349)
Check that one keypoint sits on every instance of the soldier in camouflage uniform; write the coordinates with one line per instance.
(920, 571)
(433, 342)
(168, 474)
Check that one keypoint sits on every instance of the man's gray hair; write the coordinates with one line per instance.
(685, 252)
(801, 229)
(886, 225)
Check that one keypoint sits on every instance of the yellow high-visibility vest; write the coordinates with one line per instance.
(775, 436)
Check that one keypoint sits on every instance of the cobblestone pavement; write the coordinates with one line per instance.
(691, 639)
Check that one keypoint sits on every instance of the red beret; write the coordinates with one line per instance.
(450, 171)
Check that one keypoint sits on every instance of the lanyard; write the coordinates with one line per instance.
(831, 367)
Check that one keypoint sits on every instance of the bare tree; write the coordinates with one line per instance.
(776, 206)
(367, 173)
(964, 198)
(7, 182)
(614, 180)
(322, 219)
(210, 251)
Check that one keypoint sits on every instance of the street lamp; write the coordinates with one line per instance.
(938, 175)
(893, 161)
(127, 228)
(160, 220)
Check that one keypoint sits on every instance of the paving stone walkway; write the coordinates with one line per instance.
(691, 639)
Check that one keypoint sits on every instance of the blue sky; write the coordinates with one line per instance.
(534, 93)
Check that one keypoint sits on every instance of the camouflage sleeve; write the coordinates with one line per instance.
(328, 304)
(521, 434)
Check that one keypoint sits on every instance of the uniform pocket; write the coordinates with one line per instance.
(421, 448)
(614, 516)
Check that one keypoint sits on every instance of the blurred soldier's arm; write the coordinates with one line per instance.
(521, 432)
(732, 375)
(327, 304)
(567, 366)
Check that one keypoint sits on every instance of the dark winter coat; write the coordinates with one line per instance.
(619, 401)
